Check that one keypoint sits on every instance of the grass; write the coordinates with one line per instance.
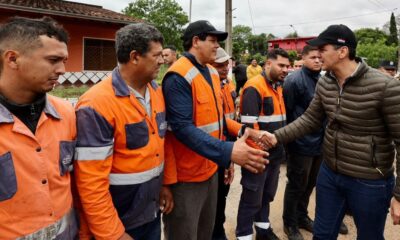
(69, 91)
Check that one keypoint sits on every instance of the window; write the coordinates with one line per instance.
(276, 45)
(99, 55)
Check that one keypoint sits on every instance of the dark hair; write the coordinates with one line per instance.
(136, 36)
(274, 53)
(172, 47)
(352, 51)
(187, 43)
(308, 48)
(23, 34)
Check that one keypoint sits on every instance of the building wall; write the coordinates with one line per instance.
(77, 29)
(289, 44)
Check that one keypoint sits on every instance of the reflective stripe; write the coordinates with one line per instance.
(55, 229)
(191, 74)
(230, 115)
(135, 178)
(248, 119)
(209, 128)
(213, 71)
(272, 118)
(263, 225)
(93, 153)
(248, 237)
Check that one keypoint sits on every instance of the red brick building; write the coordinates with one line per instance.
(91, 29)
(289, 44)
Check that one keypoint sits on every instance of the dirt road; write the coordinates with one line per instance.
(391, 232)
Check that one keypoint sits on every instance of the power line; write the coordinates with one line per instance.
(327, 20)
(251, 16)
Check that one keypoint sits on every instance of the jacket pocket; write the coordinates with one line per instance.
(161, 124)
(137, 135)
(67, 149)
(268, 106)
(8, 179)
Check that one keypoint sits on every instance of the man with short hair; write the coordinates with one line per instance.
(240, 75)
(169, 55)
(225, 175)
(120, 151)
(304, 153)
(195, 116)
(262, 107)
(37, 133)
(253, 69)
(362, 109)
(297, 64)
(388, 67)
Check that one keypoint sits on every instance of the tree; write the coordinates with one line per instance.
(370, 35)
(292, 35)
(240, 38)
(258, 44)
(375, 52)
(393, 34)
(167, 15)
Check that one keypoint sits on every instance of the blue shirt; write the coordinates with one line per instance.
(179, 105)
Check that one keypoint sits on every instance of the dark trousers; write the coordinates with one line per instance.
(302, 172)
(258, 190)
(368, 200)
(148, 231)
(223, 191)
(193, 215)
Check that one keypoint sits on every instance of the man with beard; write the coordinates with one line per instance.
(262, 107)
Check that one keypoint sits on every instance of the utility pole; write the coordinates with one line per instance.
(228, 26)
(190, 12)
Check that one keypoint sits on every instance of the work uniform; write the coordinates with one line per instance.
(196, 146)
(119, 157)
(35, 188)
(262, 107)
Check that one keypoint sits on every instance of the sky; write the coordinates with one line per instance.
(281, 17)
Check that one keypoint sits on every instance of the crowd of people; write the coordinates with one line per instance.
(133, 154)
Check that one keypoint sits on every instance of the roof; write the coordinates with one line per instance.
(67, 9)
(289, 39)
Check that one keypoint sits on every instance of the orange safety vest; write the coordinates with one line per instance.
(181, 163)
(35, 188)
(228, 98)
(129, 155)
(272, 114)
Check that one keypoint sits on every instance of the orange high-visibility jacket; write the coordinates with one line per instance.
(181, 163)
(271, 114)
(35, 189)
(119, 157)
(228, 98)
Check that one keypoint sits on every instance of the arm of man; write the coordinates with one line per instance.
(290, 91)
(92, 167)
(391, 114)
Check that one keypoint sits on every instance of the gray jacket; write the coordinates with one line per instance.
(363, 128)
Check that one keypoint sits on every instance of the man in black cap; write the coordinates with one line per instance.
(194, 146)
(362, 109)
(388, 67)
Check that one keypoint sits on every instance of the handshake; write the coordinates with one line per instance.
(251, 158)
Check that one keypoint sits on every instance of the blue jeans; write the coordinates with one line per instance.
(367, 200)
(148, 231)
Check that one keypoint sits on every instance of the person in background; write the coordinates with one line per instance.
(37, 133)
(253, 69)
(239, 71)
(119, 158)
(225, 176)
(297, 64)
(388, 68)
(262, 107)
(169, 55)
(305, 154)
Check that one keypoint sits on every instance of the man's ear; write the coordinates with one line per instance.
(134, 56)
(10, 58)
(195, 41)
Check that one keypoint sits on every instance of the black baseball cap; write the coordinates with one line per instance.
(388, 64)
(203, 26)
(337, 35)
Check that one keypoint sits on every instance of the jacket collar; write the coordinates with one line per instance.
(7, 117)
(313, 74)
(361, 69)
(121, 88)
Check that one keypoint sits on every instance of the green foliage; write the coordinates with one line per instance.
(260, 58)
(167, 15)
(240, 37)
(375, 52)
(258, 44)
(370, 35)
(393, 34)
(69, 91)
(292, 35)
(292, 55)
